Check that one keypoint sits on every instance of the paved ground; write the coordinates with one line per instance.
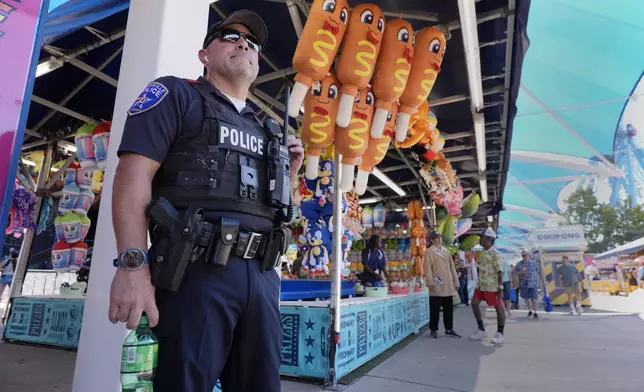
(598, 351)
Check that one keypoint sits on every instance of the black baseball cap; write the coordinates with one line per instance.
(434, 234)
(253, 22)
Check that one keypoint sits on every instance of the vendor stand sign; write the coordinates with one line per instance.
(559, 238)
(366, 330)
(55, 322)
(19, 34)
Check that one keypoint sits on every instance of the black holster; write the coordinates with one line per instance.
(276, 246)
(173, 243)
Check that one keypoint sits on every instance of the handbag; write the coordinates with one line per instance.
(513, 295)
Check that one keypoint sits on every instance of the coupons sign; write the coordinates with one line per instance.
(559, 237)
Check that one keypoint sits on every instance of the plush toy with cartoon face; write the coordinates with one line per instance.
(61, 256)
(71, 227)
(316, 259)
(324, 186)
(69, 199)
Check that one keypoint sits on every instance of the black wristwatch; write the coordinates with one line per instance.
(132, 259)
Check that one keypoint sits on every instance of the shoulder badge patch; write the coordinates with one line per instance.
(151, 96)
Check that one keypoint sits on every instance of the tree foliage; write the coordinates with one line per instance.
(605, 226)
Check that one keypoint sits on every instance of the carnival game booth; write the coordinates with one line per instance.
(628, 260)
(446, 149)
(551, 244)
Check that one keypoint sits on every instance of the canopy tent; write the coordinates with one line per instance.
(84, 40)
(626, 249)
(578, 113)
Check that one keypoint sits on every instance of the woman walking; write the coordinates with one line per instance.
(442, 281)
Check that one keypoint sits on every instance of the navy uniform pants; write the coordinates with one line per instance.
(223, 323)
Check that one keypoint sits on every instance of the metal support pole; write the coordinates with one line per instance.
(69, 112)
(253, 98)
(77, 89)
(61, 172)
(336, 282)
(426, 207)
(25, 249)
(295, 17)
(282, 73)
(81, 65)
(24, 170)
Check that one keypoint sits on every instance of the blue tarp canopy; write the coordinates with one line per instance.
(93, 31)
(67, 16)
(580, 119)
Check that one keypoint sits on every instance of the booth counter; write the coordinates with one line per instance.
(369, 326)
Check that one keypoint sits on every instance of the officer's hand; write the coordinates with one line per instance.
(131, 294)
(297, 153)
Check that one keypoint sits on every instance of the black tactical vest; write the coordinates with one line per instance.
(223, 169)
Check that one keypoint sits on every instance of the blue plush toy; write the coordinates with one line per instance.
(310, 210)
(320, 204)
(324, 186)
(316, 259)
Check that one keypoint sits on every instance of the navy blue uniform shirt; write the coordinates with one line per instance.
(170, 108)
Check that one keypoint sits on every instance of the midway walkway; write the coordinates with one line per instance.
(598, 351)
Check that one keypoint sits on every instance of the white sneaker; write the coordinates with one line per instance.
(478, 335)
(498, 338)
(580, 310)
(573, 312)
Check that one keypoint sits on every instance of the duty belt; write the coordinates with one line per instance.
(248, 245)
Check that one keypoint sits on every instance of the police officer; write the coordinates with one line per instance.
(222, 323)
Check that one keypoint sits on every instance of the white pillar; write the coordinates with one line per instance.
(162, 38)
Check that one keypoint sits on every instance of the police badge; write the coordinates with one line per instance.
(151, 96)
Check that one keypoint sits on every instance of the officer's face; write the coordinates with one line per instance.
(233, 59)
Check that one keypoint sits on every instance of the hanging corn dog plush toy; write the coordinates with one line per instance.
(428, 57)
(352, 141)
(376, 151)
(318, 123)
(317, 47)
(358, 58)
(392, 71)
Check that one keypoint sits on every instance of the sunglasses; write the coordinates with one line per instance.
(233, 36)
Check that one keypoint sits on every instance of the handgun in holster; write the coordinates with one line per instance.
(173, 242)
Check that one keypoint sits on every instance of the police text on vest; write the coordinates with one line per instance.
(248, 142)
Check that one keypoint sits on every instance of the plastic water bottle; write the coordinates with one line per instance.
(139, 358)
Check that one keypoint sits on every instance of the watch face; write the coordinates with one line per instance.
(132, 259)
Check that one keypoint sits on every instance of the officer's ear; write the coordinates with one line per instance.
(203, 57)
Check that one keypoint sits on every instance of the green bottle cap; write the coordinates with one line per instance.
(144, 321)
